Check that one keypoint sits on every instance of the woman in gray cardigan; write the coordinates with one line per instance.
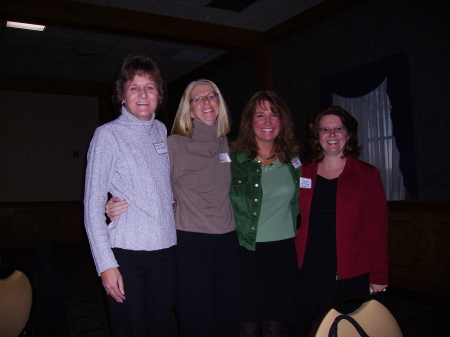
(128, 157)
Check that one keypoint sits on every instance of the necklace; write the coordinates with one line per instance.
(274, 156)
(266, 167)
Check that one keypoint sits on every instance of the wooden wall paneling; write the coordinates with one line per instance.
(419, 237)
(264, 69)
(440, 244)
(419, 246)
(31, 224)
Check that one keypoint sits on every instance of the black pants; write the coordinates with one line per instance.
(208, 284)
(149, 279)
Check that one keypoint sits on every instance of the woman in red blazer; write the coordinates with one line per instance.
(343, 237)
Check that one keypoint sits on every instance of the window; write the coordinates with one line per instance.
(375, 136)
(393, 71)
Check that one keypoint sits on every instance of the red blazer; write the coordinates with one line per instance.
(361, 221)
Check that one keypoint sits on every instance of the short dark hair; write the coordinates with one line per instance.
(285, 145)
(351, 124)
(138, 64)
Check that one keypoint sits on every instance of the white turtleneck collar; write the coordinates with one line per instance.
(130, 121)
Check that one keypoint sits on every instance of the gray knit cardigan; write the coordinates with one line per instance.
(129, 159)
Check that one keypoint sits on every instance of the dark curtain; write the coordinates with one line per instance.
(360, 81)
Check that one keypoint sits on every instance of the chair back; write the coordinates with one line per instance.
(373, 317)
(15, 303)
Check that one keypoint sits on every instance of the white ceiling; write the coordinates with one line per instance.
(80, 55)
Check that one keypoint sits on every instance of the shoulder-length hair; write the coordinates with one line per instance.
(285, 145)
(142, 65)
(348, 121)
(183, 125)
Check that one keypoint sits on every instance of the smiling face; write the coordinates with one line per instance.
(266, 124)
(204, 104)
(141, 97)
(332, 135)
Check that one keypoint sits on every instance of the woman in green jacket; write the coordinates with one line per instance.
(264, 194)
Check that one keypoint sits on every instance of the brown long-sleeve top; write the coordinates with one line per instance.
(201, 179)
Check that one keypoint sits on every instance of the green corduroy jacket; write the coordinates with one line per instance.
(246, 196)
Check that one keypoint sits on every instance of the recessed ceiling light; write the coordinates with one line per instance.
(24, 26)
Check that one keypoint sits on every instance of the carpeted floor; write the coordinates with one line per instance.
(84, 299)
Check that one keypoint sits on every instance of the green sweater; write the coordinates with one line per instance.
(246, 196)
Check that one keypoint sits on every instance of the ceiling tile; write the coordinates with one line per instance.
(193, 2)
(247, 21)
(17, 46)
(136, 5)
(173, 8)
(51, 49)
(60, 39)
(102, 72)
(43, 67)
(212, 15)
(12, 67)
(72, 70)
(174, 64)
(114, 57)
(190, 55)
(49, 59)
(24, 35)
(269, 25)
(94, 2)
(94, 44)
(268, 9)
(158, 50)
(74, 54)
(127, 45)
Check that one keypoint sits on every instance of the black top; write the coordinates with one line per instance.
(321, 246)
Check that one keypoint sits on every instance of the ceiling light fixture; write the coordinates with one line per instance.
(24, 26)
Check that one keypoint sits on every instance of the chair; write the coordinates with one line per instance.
(373, 317)
(15, 303)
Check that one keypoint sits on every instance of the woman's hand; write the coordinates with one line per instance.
(113, 283)
(174, 206)
(114, 207)
(376, 288)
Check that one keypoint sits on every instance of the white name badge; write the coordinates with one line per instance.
(296, 162)
(305, 182)
(224, 158)
(160, 147)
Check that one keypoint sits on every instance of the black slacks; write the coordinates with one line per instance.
(209, 283)
(149, 279)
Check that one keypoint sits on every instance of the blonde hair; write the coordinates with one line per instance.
(182, 124)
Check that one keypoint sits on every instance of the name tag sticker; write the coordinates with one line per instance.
(305, 182)
(296, 162)
(224, 158)
(160, 147)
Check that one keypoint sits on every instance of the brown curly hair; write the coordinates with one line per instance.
(351, 124)
(285, 145)
(138, 64)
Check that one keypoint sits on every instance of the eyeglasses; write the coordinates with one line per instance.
(199, 99)
(337, 129)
